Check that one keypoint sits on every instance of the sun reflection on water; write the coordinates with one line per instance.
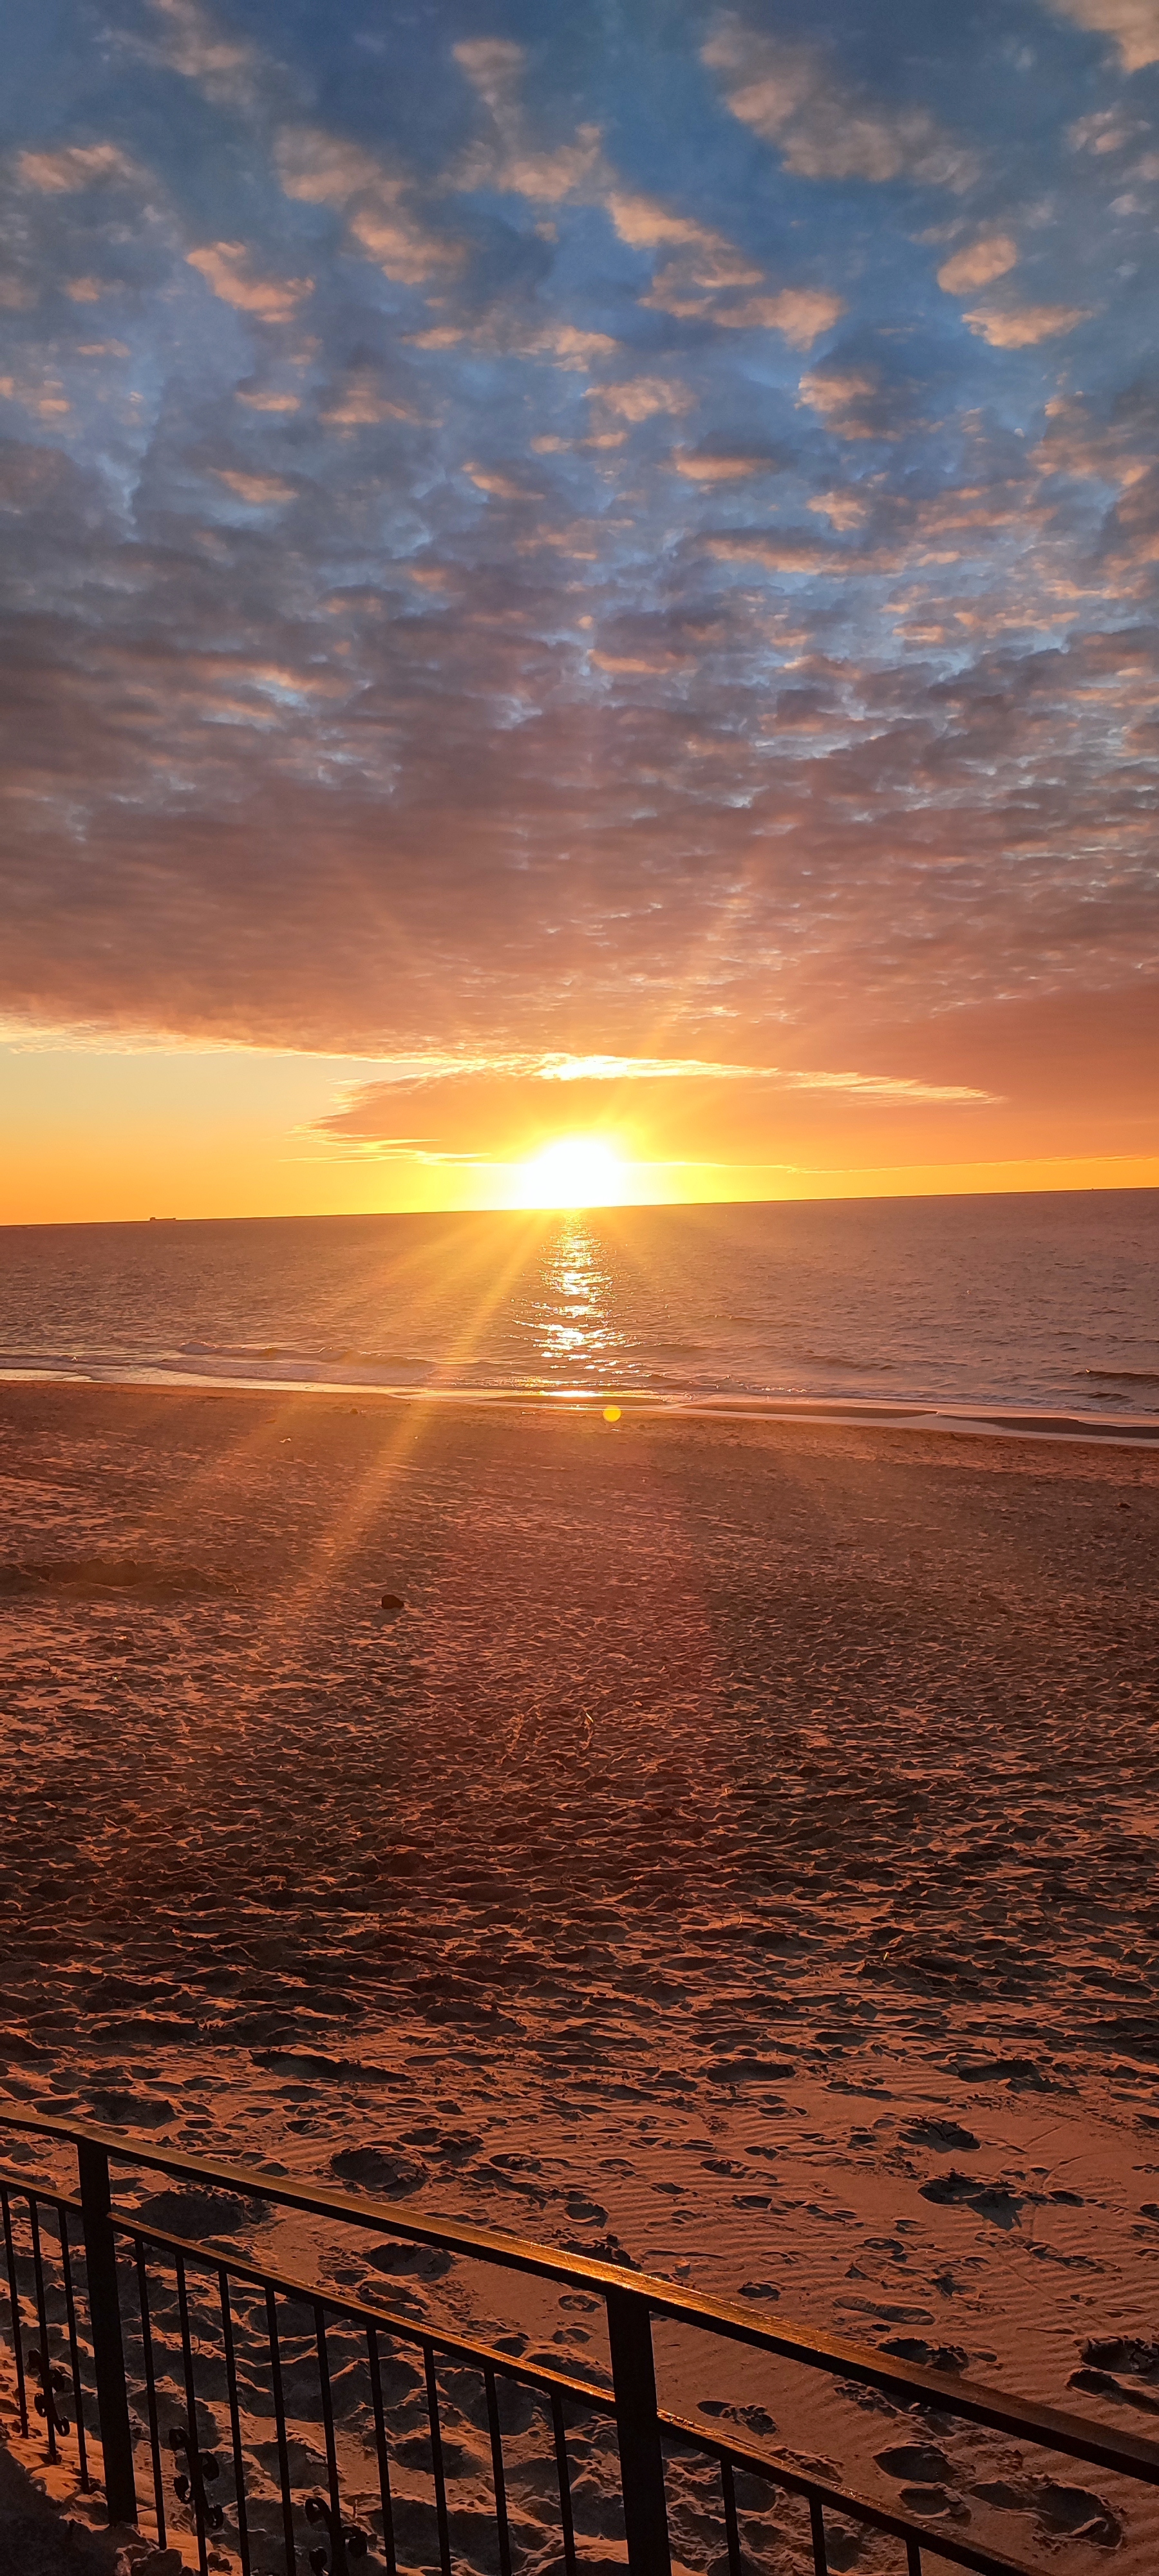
(572, 1319)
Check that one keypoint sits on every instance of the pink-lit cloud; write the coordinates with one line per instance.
(1131, 25)
(1022, 326)
(796, 97)
(978, 264)
(225, 266)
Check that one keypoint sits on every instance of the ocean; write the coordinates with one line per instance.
(1040, 1304)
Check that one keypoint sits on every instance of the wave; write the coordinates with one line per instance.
(839, 1360)
(1123, 1377)
(288, 1353)
(649, 1348)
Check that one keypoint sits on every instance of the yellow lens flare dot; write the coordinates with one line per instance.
(611, 1413)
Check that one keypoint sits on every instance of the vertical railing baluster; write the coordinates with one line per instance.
(150, 2389)
(389, 2551)
(817, 2533)
(437, 2461)
(337, 2534)
(73, 2347)
(105, 2321)
(280, 2426)
(190, 2410)
(14, 2310)
(638, 2429)
(913, 2558)
(731, 2525)
(243, 2543)
(563, 2473)
(497, 2473)
(42, 2321)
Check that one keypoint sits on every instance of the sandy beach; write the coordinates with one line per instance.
(737, 1857)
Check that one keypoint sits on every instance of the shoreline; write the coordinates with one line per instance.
(956, 1421)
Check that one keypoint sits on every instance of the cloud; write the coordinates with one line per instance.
(518, 335)
(324, 170)
(511, 160)
(649, 226)
(501, 487)
(639, 398)
(413, 1073)
(192, 44)
(1120, 451)
(793, 96)
(260, 491)
(268, 398)
(494, 65)
(639, 665)
(854, 401)
(979, 265)
(358, 403)
(899, 1090)
(790, 550)
(400, 246)
(39, 395)
(844, 510)
(1103, 131)
(225, 266)
(321, 169)
(703, 275)
(419, 1072)
(708, 468)
(800, 313)
(501, 1105)
(569, 346)
(1132, 25)
(1023, 326)
(75, 167)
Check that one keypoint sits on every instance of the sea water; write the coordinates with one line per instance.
(1044, 1302)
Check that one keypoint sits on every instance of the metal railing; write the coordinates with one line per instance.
(160, 2330)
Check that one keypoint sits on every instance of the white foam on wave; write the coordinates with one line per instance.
(977, 1421)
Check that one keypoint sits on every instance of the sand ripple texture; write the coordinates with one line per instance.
(738, 1858)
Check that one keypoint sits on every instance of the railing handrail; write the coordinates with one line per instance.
(777, 2469)
(1075, 2436)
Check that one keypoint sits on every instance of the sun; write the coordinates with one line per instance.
(577, 1171)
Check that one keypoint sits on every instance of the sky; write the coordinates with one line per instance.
(576, 572)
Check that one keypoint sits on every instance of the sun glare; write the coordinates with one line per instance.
(577, 1171)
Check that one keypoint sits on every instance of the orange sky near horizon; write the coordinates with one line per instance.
(98, 1136)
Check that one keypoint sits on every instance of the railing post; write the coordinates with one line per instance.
(637, 2425)
(105, 2321)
